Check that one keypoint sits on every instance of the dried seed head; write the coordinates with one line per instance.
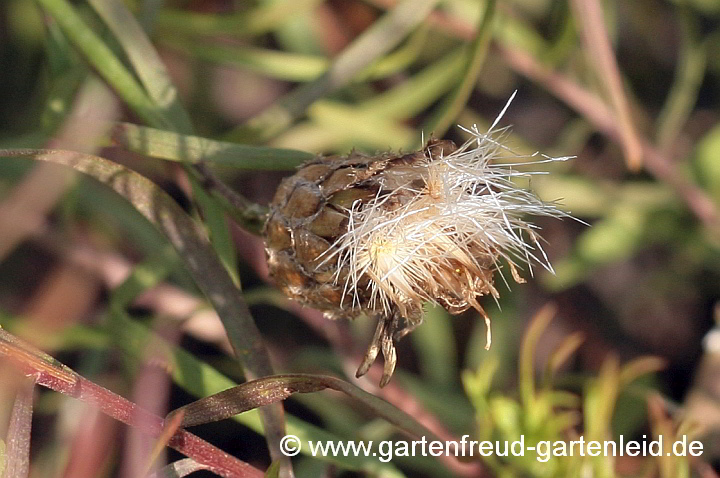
(382, 235)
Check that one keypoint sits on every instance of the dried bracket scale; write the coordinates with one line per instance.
(381, 235)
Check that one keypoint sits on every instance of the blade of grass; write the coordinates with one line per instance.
(17, 451)
(267, 390)
(638, 367)
(185, 235)
(441, 120)
(560, 355)
(526, 371)
(145, 275)
(398, 60)
(192, 245)
(689, 75)
(244, 24)
(50, 373)
(200, 379)
(105, 62)
(145, 61)
(589, 14)
(272, 63)
(220, 237)
(377, 40)
(193, 149)
(600, 398)
(361, 128)
(421, 90)
(288, 66)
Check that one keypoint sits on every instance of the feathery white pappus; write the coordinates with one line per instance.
(436, 230)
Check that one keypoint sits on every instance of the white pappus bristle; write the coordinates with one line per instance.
(438, 231)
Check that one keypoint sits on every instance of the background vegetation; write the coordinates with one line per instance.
(119, 281)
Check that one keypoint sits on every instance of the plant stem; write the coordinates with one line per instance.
(49, 373)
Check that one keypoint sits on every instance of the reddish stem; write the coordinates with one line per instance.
(57, 377)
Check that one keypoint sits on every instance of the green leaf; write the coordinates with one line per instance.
(267, 390)
(244, 23)
(145, 61)
(193, 149)
(442, 119)
(99, 55)
(272, 63)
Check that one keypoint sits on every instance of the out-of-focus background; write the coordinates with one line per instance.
(631, 88)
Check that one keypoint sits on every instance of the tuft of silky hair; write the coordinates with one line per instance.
(440, 228)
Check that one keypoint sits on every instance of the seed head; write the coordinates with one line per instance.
(431, 226)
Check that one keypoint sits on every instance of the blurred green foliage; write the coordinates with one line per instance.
(253, 87)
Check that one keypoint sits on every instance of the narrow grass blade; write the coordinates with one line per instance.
(52, 374)
(376, 41)
(145, 275)
(200, 379)
(689, 75)
(361, 128)
(193, 246)
(221, 239)
(193, 149)
(188, 239)
(419, 91)
(17, 451)
(288, 66)
(105, 62)
(268, 390)
(145, 61)
(526, 371)
(271, 63)
(589, 14)
(245, 23)
(449, 111)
